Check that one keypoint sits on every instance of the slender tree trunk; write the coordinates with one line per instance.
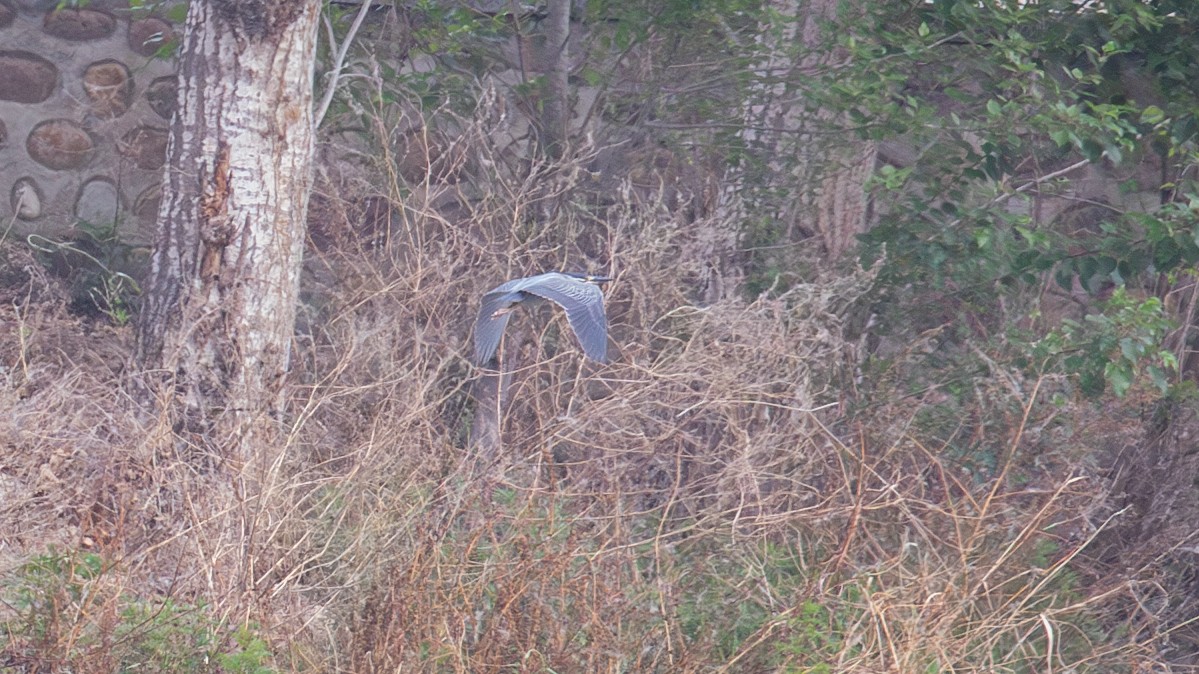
(556, 108)
(768, 114)
(833, 168)
(220, 305)
(826, 172)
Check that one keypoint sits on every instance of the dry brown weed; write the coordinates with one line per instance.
(706, 502)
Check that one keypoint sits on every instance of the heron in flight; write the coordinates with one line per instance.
(578, 294)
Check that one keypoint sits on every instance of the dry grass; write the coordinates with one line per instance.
(704, 503)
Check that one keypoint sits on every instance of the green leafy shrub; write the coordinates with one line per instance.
(67, 608)
(1115, 347)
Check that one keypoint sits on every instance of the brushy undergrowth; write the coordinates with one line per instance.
(725, 496)
(67, 612)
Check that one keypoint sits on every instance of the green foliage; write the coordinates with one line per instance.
(1003, 101)
(49, 587)
(717, 607)
(1018, 52)
(817, 636)
(458, 38)
(167, 636)
(68, 608)
(1116, 347)
(631, 23)
(251, 657)
(449, 29)
(98, 265)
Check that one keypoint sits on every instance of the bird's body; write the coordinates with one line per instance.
(578, 294)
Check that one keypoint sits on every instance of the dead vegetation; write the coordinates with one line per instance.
(726, 496)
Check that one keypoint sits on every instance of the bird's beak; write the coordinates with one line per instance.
(598, 279)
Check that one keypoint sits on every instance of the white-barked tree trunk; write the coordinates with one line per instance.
(219, 312)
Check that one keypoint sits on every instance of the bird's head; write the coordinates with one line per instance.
(588, 278)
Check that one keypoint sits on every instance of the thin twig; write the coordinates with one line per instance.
(339, 63)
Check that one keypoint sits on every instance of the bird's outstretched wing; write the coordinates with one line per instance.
(490, 325)
(584, 306)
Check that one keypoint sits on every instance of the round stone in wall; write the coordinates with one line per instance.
(147, 36)
(99, 202)
(161, 95)
(26, 199)
(109, 88)
(146, 146)
(60, 144)
(26, 77)
(79, 24)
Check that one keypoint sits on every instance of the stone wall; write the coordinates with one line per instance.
(85, 95)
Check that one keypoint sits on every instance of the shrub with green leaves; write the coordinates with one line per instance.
(69, 608)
